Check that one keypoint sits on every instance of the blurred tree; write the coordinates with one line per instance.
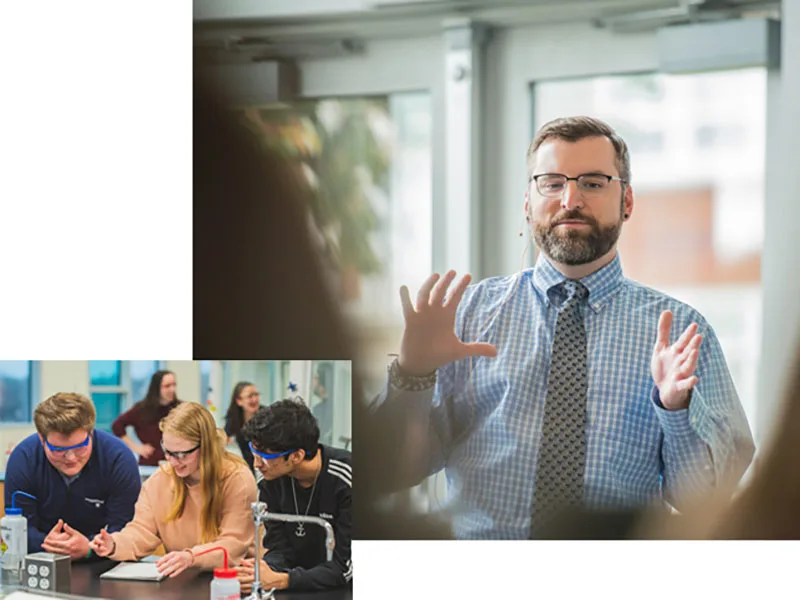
(343, 150)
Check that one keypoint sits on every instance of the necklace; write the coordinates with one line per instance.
(300, 531)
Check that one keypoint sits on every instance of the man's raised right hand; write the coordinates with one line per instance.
(429, 338)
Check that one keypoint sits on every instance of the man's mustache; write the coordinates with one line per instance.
(571, 216)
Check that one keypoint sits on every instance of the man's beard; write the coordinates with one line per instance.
(575, 246)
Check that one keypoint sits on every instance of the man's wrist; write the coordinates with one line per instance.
(409, 383)
(682, 402)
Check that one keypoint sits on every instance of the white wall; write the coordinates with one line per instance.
(63, 376)
(300, 374)
(187, 376)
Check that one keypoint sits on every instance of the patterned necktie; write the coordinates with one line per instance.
(562, 451)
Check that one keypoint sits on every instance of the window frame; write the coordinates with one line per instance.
(34, 394)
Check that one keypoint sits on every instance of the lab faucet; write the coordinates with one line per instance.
(260, 516)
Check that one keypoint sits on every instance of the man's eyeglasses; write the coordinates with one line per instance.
(266, 456)
(552, 185)
(178, 455)
(62, 450)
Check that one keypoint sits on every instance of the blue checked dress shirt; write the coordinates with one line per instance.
(484, 416)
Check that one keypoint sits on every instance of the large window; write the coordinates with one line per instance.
(325, 385)
(404, 240)
(322, 400)
(105, 379)
(16, 391)
(141, 372)
(697, 145)
(331, 401)
(115, 385)
(368, 162)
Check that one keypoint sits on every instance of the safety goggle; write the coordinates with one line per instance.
(266, 456)
(62, 449)
(178, 455)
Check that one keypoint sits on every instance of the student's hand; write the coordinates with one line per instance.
(103, 544)
(174, 563)
(145, 450)
(673, 365)
(429, 338)
(269, 578)
(245, 573)
(75, 544)
(57, 533)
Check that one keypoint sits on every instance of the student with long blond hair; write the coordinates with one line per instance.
(200, 499)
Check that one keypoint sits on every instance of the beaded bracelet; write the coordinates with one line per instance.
(409, 383)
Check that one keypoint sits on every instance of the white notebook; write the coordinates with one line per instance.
(140, 571)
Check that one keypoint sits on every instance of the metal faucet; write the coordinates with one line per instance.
(260, 515)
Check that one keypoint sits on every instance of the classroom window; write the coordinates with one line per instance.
(697, 144)
(105, 372)
(368, 162)
(16, 395)
(115, 385)
(141, 372)
(108, 394)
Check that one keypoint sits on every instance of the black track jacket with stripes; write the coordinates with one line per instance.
(300, 551)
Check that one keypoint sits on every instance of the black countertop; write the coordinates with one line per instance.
(192, 583)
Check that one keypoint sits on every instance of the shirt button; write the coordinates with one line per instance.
(694, 420)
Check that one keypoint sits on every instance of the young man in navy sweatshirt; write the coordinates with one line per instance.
(83, 480)
(300, 477)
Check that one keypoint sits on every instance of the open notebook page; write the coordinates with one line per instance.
(143, 571)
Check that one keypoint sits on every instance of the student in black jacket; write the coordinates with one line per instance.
(301, 477)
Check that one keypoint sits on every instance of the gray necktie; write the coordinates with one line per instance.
(562, 450)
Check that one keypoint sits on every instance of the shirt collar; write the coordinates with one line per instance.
(602, 284)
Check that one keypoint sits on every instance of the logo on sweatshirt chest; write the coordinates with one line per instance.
(97, 502)
(326, 516)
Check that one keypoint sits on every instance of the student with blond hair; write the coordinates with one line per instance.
(82, 479)
(199, 500)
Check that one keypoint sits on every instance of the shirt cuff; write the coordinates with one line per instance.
(656, 396)
(674, 423)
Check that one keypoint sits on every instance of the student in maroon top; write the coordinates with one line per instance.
(245, 402)
(145, 415)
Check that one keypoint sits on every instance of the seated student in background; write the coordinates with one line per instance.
(145, 415)
(83, 479)
(201, 499)
(245, 401)
(301, 477)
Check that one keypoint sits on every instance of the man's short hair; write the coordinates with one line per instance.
(572, 129)
(64, 413)
(282, 426)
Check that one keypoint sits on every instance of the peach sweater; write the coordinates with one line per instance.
(149, 528)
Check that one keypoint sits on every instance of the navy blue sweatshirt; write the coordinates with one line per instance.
(105, 491)
(303, 557)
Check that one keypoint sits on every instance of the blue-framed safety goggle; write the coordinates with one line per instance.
(83, 444)
(267, 456)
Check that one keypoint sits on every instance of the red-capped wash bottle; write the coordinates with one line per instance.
(225, 585)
